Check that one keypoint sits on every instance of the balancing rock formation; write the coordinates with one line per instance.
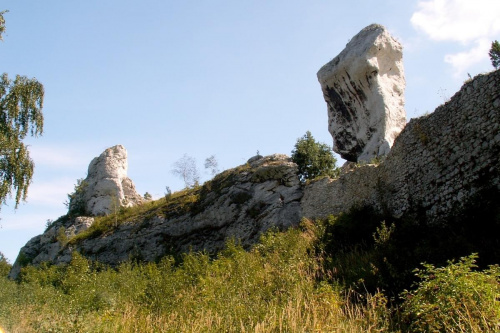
(438, 164)
(107, 186)
(364, 90)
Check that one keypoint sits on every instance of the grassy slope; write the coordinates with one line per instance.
(345, 274)
(284, 284)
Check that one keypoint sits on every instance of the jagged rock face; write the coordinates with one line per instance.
(239, 204)
(364, 90)
(107, 186)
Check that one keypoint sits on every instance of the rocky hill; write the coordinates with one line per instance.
(436, 164)
(240, 203)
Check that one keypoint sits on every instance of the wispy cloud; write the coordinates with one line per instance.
(31, 222)
(463, 60)
(59, 156)
(50, 193)
(474, 24)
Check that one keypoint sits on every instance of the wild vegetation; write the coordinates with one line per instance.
(495, 54)
(349, 273)
(314, 159)
(21, 103)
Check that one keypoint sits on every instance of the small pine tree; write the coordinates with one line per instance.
(313, 159)
(495, 54)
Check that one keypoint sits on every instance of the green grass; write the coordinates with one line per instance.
(281, 285)
(176, 204)
(271, 288)
(355, 272)
(190, 200)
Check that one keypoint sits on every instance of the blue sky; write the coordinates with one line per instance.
(224, 78)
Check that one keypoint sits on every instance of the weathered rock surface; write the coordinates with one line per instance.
(364, 89)
(437, 164)
(107, 187)
(241, 203)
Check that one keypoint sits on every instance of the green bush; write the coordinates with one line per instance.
(5, 266)
(495, 54)
(360, 246)
(454, 298)
(314, 159)
(75, 203)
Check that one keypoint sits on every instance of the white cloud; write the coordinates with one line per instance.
(463, 60)
(471, 23)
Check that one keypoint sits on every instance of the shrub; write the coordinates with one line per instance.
(454, 298)
(4, 265)
(76, 203)
(495, 54)
(313, 159)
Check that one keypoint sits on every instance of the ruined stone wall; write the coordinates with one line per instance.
(436, 164)
(441, 160)
(334, 196)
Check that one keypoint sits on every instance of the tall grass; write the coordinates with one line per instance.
(280, 285)
(272, 288)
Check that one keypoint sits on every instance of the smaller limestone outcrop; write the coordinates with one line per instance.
(364, 89)
(240, 204)
(104, 191)
(106, 187)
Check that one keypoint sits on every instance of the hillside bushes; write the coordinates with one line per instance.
(272, 288)
(280, 285)
(454, 298)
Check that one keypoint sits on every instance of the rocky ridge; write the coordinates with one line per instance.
(240, 203)
(437, 163)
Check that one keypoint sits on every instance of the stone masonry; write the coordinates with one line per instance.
(437, 163)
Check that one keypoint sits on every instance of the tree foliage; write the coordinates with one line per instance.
(212, 165)
(21, 102)
(314, 159)
(76, 201)
(454, 296)
(4, 265)
(2, 23)
(495, 54)
(185, 168)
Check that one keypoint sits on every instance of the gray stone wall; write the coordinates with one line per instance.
(334, 196)
(436, 164)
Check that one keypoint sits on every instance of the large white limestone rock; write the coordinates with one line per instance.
(107, 187)
(364, 89)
